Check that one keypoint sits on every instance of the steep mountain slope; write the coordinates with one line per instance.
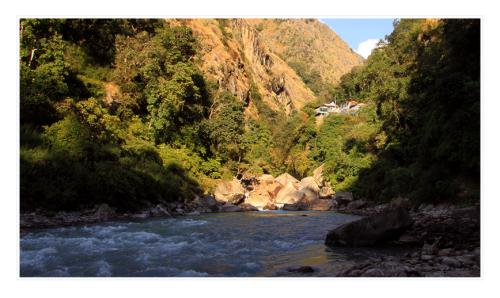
(310, 47)
(244, 58)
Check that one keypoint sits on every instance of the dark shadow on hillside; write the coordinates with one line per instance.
(57, 182)
(434, 151)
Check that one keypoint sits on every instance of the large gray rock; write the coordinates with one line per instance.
(314, 204)
(237, 199)
(385, 226)
(159, 210)
(318, 174)
(225, 190)
(320, 205)
(247, 207)
(207, 203)
(291, 207)
(357, 204)
(285, 178)
(309, 183)
(259, 198)
(343, 198)
(231, 208)
(265, 179)
(104, 212)
(289, 195)
(326, 192)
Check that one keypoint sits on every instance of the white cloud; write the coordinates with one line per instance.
(365, 48)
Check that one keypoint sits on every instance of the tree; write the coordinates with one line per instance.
(159, 79)
(226, 128)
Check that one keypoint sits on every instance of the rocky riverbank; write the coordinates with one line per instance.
(248, 194)
(101, 213)
(443, 241)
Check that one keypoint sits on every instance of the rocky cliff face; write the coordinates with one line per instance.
(243, 57)
(308, 46)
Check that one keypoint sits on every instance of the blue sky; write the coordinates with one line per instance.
(361, 34)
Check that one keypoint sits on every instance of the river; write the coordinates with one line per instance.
(222, 244)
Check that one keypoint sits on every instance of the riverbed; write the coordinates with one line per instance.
(269, 243)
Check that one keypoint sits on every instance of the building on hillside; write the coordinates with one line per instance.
(327, 108)
(349, 106)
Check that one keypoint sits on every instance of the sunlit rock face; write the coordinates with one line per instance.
(226, 190)
(241, 54)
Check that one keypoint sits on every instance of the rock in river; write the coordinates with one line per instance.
(231, 208)
(258, 198)
(285, 178)
(247, 207)
(104, 212)
(385, 226)
(237, 199)
(226, 190)
(343, 198)
(289, 195)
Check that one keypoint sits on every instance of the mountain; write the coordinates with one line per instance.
(271, 61)
(310, 47)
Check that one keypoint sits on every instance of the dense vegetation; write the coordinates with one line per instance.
(425, 83)
(118, 111)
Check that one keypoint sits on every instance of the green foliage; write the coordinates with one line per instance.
(268, 115)
(158, 77)
(92, 151)
(225, 128)
(312, 78)
(344, 145)
(257, 140)
(425, 84)
(167, 135)
(43, 78)
(290, 142)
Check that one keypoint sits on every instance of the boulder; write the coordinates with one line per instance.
(247, 207)
(289, 195)
(291, 207)
(343, 198)
(318, 174)
(225, 190)
(283, 179)
(159, 210)
(309, 183)
(237, 199)
(314, 204)
(273, 189)
(400, 202)
(265, 179)
(357, 204)
(258, 198)
(310, 189)
(104, 212)
(270, 206)
(320, 205)
(326, 192)
(207, 203)
(385, 226)
(230, 208)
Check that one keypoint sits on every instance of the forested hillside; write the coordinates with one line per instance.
(127, 112)
(425, 83)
